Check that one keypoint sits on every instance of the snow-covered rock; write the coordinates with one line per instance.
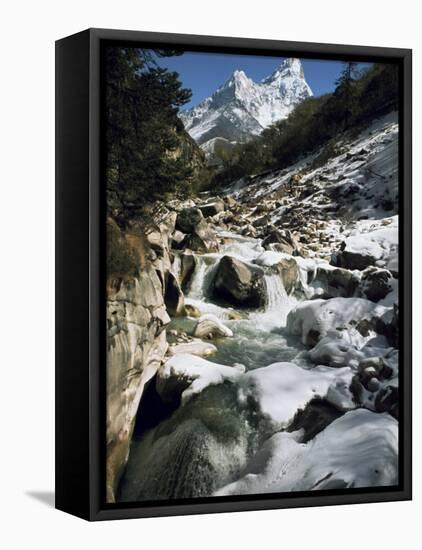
(371, 244)
(185, 375)
(334, 351)
(210, 326)
(281, 389)
(359, 449)
(241, 108)
(314, 319)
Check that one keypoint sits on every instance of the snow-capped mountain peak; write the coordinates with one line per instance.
(242, 108)
(290, 67)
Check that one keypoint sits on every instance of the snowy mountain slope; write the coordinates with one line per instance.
(348, 203)
(241, 108)
(358, 183)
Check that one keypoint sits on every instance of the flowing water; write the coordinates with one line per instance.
(206, 443)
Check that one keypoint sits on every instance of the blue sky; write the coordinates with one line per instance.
(203, 73)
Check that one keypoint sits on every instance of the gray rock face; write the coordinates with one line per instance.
(137, 314)
(136, 345)
(239, 284)
(173, 297)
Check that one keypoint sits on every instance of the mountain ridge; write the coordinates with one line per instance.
(241, 108)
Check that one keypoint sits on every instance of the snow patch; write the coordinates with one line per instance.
(281, 389)
(359, 449)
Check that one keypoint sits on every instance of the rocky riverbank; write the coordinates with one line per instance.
(262, 324)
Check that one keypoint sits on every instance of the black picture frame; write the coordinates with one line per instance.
(80, 319)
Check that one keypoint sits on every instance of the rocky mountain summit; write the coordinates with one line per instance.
(242, 108)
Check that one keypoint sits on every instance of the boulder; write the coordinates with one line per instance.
(314, 319)
(280, 241)
(212, 208)
(378, 246)
(230, 201)
(335, 351)
(234, 315)
(372, 366)
(197, 347)
(376, 283)
(289, 273)
(248, 231)
(192, 311)
(177, 239)
(239, 283)
(185, 375)
(201, 239)
(333, 283)
(353, 260)
(177, 205)
(188, 219)
(263, 220)
(209, 326)
(198, 242)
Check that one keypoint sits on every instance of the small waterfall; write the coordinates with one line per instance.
(197, 282)
(206, 264)
(279, 303)
(276, 293)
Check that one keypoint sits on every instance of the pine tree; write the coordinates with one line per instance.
(346, 92)
(142, 130)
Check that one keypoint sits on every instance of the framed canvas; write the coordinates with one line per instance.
(233, 277)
